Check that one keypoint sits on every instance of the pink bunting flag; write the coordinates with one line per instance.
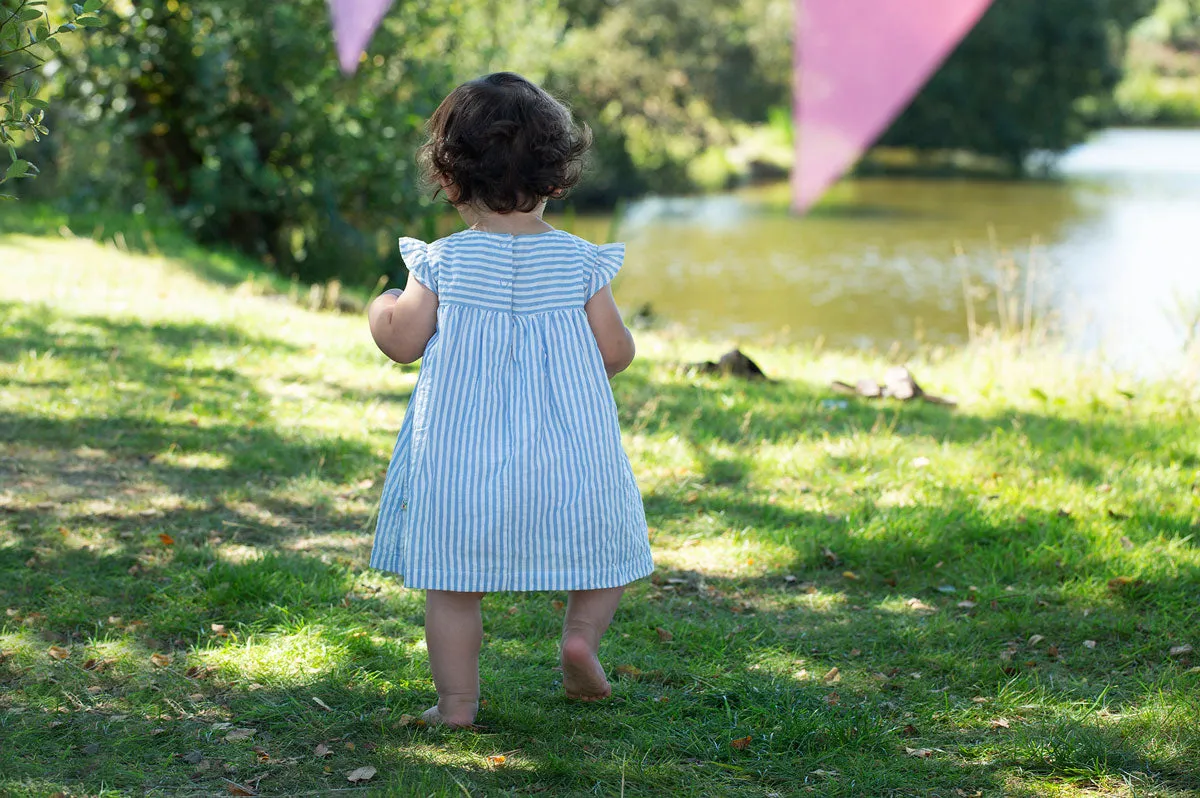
(354, 22)
(858, 63)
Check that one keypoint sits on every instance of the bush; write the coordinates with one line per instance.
(28, 40)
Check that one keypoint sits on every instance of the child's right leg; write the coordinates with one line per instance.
(453, 635)
(589, 612)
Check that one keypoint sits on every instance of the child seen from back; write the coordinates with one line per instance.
(508, 473)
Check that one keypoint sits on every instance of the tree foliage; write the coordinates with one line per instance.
(1018, 82)
(27, 41)
(234, 114)
(664, 80)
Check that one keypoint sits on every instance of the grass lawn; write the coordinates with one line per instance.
(851, 600)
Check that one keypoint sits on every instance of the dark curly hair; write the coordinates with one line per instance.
(504, 143)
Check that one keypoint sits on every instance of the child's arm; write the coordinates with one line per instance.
(615, 341)
(402, 325)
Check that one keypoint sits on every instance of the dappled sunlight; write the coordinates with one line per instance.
(279, 659)
(730, 556)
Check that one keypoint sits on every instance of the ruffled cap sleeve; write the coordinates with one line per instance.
(609, 258)
(419, 262)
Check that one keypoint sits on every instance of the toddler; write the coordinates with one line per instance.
(508, 473)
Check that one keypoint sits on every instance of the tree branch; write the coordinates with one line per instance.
(14, 15)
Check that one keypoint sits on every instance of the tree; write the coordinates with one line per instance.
(662, 81)
(27, 41)
(1018, 82)
(235, 114)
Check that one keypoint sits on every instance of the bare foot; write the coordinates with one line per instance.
(460, 719)
(583, 676)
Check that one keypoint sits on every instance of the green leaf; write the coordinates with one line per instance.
(92, 6)
(29, 15)
(89, 22)
(12, 153)
(7, 198)
(53, 44)
(18, 168)
(42, 104)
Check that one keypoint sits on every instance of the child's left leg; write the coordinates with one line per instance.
(589, 612)
(453, 635)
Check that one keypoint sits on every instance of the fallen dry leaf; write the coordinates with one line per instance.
(1035, 639)
(979, 700)
(1052, 650)
(364, 773)
(237, 789)
(824, 773)
(1126, 543)
(166, 539)
(349, 746)
(999, 723)
(557, 605)
(663, 634)
(833, 699)
(1119, 582)
(161, 660)
(920, 462)
(323, 750)
(496, 760)
(920, 753)
(742, 743)
(801, 674)
(58, 652)
(832, 675)
(828, 554)
(920, 606)
(219, 630)
(239, 734)
(966, 605)
(322, 704)
(910, 731)
(1179, 651)
(1089, 643)
(630, 671)
(854, 652)
(850, 575)
(193, 757)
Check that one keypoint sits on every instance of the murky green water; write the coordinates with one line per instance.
(1119, 250)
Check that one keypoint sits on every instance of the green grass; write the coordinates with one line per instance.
(1030, 557)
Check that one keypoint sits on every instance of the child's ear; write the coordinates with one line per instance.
(451, 191)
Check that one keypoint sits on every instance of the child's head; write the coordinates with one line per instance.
(501, 143)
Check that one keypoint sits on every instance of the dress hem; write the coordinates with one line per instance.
(500, 585)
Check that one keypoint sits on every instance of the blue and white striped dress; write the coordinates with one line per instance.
(508, 473)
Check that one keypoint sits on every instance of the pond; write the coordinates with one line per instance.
(1108, 253)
